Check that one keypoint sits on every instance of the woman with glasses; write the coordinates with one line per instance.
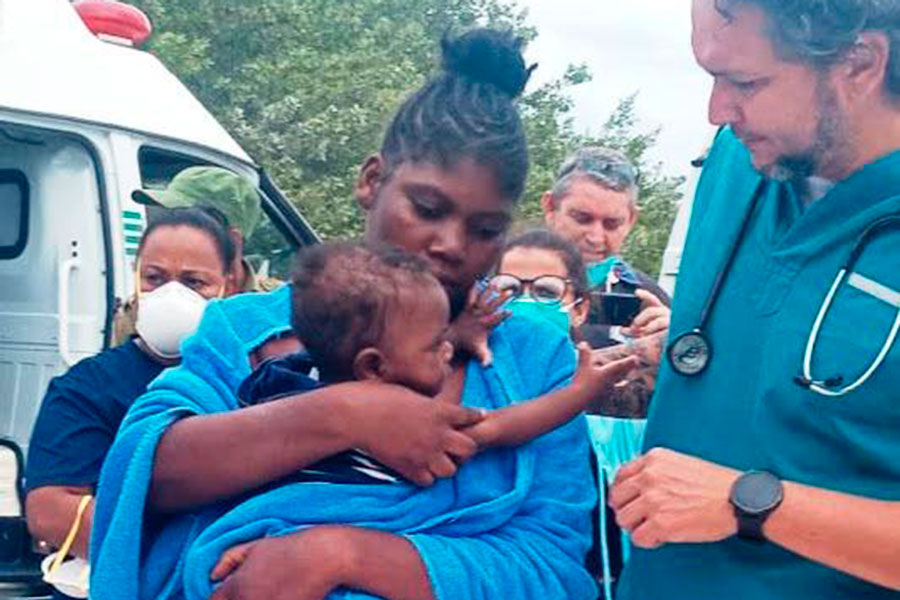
(543, 277)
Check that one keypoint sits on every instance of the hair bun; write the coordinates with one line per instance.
(488, 56)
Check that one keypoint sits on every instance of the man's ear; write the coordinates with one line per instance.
(371, 174)
(580, 312)
(369, 364)
(548, 206)
(634, 214)
(864, 69)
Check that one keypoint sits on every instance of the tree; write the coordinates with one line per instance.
(307, 87)
(552, 137)
(659, 194)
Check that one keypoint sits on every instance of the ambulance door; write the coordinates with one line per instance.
(54, 290)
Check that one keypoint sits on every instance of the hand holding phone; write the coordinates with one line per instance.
(619, 308)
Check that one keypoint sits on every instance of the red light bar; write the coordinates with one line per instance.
(120, 22)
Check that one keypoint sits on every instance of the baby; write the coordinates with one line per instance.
(379, 314)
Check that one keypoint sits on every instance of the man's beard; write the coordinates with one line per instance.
(829, 150)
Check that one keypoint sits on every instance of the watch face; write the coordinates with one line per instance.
(756, 492)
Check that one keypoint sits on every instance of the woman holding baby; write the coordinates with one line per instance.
(508, 521)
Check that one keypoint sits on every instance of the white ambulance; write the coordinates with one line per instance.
(85, 119)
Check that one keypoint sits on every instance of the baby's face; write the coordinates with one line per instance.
(415, 347)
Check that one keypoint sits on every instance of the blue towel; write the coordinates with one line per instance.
(513, 523)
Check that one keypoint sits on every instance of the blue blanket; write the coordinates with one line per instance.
(513, 523)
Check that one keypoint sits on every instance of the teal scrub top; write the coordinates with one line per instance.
(745, 411)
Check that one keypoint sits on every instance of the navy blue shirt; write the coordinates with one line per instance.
(81, 413)
(290, 375)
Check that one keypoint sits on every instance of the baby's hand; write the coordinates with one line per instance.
(470, 330)
(596, 374)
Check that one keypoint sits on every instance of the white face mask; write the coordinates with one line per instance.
(168, 315)
(72, 577)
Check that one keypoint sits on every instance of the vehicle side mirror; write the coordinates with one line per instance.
(20, 566)
(12, 479)
(13, 532)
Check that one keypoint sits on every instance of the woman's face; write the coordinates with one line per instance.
(530, 263)
(454, 218)
(183, 254)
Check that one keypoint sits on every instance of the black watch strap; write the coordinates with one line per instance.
(750, 527)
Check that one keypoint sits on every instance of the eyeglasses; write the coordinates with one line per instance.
(548, 289)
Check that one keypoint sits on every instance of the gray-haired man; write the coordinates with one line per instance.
(593, 204)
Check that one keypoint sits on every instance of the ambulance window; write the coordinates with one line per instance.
(269, 252)
(159, 167)
(13, 213)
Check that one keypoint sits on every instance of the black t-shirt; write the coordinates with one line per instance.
(81, 413)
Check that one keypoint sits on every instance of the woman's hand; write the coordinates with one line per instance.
(306, 565)
(416, 436)
(653, 318)
(310, 564)
(51, 511)
(470, 330)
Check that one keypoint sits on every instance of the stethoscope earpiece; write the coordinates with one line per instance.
(831, 382)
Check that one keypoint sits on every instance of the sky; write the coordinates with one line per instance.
(630, 46)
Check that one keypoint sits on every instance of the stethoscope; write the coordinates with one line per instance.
(690, 353)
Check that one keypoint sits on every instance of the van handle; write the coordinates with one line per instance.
(65, 270)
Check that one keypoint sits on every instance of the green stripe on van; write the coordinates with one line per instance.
(130, 214)
(133, 239)
(134, 227)
(131, 251)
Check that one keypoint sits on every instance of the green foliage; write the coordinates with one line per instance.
(552, 137)
(659, 194)
(307, 87)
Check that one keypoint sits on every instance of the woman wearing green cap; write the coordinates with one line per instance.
(184, 259)
(235, 199)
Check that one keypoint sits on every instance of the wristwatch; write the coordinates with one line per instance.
(754, 496)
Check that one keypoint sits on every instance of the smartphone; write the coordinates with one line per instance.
(619, 308)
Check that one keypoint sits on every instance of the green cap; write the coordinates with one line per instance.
(214, 187)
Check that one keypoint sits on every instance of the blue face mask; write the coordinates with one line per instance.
(554, 313)
(598, 272)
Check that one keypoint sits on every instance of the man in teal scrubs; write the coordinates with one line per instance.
(808, 92)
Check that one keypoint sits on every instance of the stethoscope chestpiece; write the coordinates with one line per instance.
(690, 353)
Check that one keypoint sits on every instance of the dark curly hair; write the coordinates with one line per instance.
(467, 111)
(341, 294)
(820, 32)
